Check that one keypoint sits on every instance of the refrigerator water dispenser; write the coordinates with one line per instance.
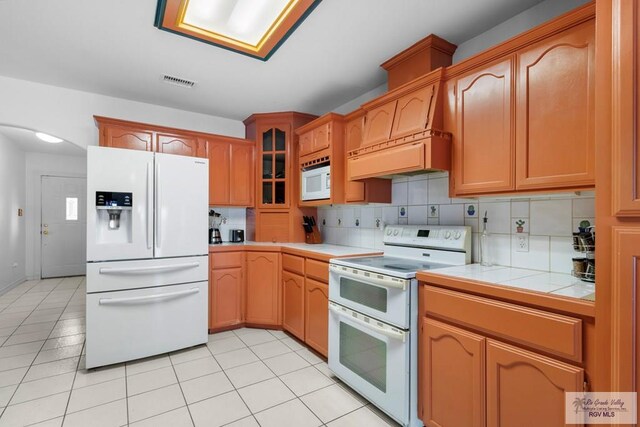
(113, 217)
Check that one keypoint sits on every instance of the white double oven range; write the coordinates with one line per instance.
(373, 313)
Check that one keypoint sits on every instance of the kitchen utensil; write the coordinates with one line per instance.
(485, 244)
(215, 220)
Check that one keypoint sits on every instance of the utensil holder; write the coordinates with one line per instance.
(314, 237)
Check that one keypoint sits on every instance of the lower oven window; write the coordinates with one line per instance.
(371, 296)
(364, 355)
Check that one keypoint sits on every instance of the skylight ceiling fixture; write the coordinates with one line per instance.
(48, 138)
(252, 27)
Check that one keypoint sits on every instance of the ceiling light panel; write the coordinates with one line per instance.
(253, 27)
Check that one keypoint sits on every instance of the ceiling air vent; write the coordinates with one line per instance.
(177, 81)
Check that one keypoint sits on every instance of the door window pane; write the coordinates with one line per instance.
(280, 162)
(371, 296)
(280, 193)
(72, 209)
(280, 140)
(364, 355)
(267, 142)
(267, 193)
(267, 166)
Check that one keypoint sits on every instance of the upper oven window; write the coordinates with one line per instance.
(365, 294)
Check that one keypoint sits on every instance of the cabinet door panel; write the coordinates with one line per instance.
(242, 176)
(263, 295)
(378, 124)
(322, 137)
(219, 164)
(177, 144)
(305, 143)
(129, 138)
(483, 145)
(354, 190)
(293, 304)
(226, 297)
(316, 322)
(555, 141)
(526, 389)
(625, 109)
(412, 112)
(451, 373)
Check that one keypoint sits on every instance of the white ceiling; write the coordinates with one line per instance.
(26, 140)
(112, 48)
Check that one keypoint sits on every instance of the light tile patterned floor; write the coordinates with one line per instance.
(247, 377)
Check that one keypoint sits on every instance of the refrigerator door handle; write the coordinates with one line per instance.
(149, 205)
(147, 298)
(158, 205)
(143, 270)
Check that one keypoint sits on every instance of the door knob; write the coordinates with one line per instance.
(45, 232)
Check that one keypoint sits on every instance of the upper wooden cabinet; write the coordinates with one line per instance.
(116, 136)
(555, 111)
(181, 145)
(231, 171)
(379, 122)
(140, 136)
(412, 112)
(483, 149)
(263, 288)
(522, 113)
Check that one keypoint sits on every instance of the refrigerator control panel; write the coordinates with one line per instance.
(111, 200)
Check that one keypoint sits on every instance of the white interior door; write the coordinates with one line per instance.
(63, 226)
(182, 205)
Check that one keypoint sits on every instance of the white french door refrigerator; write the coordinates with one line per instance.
(147, 254)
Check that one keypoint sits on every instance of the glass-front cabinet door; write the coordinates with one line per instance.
(274, 179)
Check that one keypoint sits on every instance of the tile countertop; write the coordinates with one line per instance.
(324, 249)
(519, 278)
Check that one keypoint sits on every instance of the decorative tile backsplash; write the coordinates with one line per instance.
(232, 218)
(549, 220)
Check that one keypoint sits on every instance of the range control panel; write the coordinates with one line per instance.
(112, 200)
(429, 236)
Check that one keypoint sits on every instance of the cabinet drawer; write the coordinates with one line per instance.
(292, 263)
(226, 260)
(548, 332)
(317, 270)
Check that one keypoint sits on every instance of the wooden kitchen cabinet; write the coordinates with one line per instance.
(226, 290)
(293, 304)
(263, 288)
(527, 389)
(231, 168)
(555, 112)
(372, 190)
(379, 122)
(115, 136)
(459, 345)
(305, 143)
(452, 375)
(181, 145)
(316, 318)
(412, 112)
(483, 149)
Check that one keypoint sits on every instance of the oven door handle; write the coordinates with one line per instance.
(397, 335)
(386, 282)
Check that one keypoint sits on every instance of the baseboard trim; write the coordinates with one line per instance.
(12, 285)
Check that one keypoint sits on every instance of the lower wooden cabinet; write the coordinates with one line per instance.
(452, 367)
(263, 290)
(225, 308)
(467, 379)
(316, 316)
(293, 304)
(527, 389)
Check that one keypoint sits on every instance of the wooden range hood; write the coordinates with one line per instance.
(403, 128)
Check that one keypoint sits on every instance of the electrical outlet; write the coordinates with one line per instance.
(522, 242)
(14, 265)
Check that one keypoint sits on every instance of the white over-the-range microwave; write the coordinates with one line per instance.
(316, 183)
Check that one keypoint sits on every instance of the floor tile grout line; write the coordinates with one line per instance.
(66, 408)
(126, 391)
(31, 364)
(180, 386)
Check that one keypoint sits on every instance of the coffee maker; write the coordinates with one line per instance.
(215, 219)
